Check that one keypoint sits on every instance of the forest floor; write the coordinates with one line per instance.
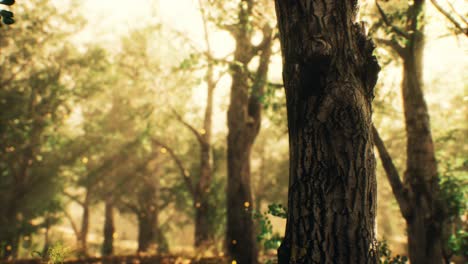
(132, 259)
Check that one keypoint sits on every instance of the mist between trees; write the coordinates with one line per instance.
(243, 131)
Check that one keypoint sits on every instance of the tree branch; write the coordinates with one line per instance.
(72, 223)
(393, 45)
(450, 17)
(457, 13)
(73, 198)
(399, 190)
(394, 28)
(190, 127)
(178, 161)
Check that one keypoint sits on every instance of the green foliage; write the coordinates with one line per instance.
(386, 254)
(265, 235)
(458, 243)
(58, 253)
(453, 193)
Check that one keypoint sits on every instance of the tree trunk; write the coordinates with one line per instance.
(425, 221)
(148, 214)
(9, 236)
(146, 231)
(83, 234)
(244, 119)
(241, 242)
(45, 248)
(204, 236)
(109, 229)
(329, 75)
(418, 195)
(204, 233)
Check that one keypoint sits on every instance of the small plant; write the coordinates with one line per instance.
(58, 253)
(386, 254)
(265, 236)
(458, 243)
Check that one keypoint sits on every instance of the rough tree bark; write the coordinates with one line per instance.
(329, 75)
(109, 228)
(244, 118)
(418, 194)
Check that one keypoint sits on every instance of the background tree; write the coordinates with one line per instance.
(244, 116)
(36, 93)
(418, 195)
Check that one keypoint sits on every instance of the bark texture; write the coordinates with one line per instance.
(329, 75)
(418, 193)
(244, 118)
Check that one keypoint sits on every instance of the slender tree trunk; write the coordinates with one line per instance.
(83, 234)
(109, 228)
(329, 74)
(204, 233)
(45, 249)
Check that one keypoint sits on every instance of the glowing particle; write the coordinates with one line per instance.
(202, 131)
(26, 238)
(186, 173)
(234, 241)
(234, 262)
(163, 150)
(115, 235)
(8, 248)
(246, 204)
(84, 160)
(198, 205)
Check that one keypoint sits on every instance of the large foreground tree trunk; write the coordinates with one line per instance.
(329, 75)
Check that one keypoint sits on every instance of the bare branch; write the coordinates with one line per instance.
(457, 13)
(276, 85)
(399, 190)
(74, 198)
(205, 29)
(72, 223)
(131, 207)
(394, 28)
(184, 173)
(393, 45)
(444, 12)
(190, 127)
(267, 33)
